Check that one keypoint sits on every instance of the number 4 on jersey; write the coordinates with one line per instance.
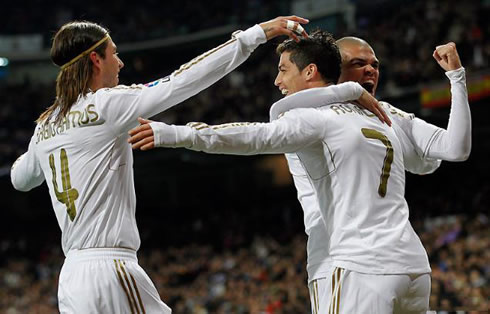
(385, 171)
(68, 195)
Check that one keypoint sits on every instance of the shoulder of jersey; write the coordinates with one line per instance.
(121, 89)
(396, 112)
(283, 105)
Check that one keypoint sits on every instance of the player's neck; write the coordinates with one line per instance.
(318, 83)
(95, 83)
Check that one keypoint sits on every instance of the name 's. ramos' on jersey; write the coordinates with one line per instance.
(75, 118)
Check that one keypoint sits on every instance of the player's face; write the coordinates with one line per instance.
(289, 79)
(111, 65)
(359, 64)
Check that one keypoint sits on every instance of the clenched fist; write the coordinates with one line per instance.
(447, 57)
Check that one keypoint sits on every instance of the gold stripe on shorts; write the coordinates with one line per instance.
(339, 272)
(310, 293)
(332, 293)
(313, 297)
(124, 286)
(334, 307)
(123, 269)
(313, 290)
(317, 305)
(137, 291)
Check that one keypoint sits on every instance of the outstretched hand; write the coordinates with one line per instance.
(447, 56)
(279, 26)
(370, 103)
(142, 136)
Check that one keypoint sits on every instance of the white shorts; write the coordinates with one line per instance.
(351, 292)
(106, 281)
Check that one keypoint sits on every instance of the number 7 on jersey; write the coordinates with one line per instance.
(385, 171)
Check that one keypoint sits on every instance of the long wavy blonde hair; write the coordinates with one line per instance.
(73, 81)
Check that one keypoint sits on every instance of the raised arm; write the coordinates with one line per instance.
(129, 102)
(26, 171)
(454, 143)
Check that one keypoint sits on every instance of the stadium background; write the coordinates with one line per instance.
(224, 234)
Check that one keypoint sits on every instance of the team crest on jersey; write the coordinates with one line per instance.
(155, 83)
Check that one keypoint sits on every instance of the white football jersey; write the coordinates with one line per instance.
(318, 258)
(360, 187)
(319, 263)
(87, 162)
(318, 246)
(355, 164)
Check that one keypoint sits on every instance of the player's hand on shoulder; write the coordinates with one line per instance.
(280, 26)
(370, 103)
(447, 56)
(142, 137)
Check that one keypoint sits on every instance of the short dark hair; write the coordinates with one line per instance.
(319, 48)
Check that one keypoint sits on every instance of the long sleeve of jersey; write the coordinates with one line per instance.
(26, 172)
(124, 104)
(454, 143)
(281, 135)
(317, 97)
(432, 143)
(119, 107)
(291, 132)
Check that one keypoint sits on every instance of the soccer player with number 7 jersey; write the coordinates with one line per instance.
(356, 166)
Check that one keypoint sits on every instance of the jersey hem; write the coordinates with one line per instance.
(388, 271)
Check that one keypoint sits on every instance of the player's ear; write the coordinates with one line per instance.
(95, 58)
(310, 71)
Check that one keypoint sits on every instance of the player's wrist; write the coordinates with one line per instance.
(456, 75)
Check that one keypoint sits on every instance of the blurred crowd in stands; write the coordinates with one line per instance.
(136, 21)
(405, 39)
(264, 276)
